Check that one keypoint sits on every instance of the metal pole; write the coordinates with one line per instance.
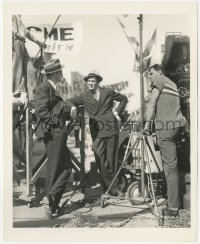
(141, 100)
(27, 153)
(47, 37)
(82, 146)
(141, 72)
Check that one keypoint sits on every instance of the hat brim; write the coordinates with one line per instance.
(97, 76)
(44, 72)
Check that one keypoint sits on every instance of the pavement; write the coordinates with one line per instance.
(114, 210)
(25, 215)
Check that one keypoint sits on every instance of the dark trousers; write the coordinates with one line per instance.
(106, 156)
(58, 163)
(167, 140)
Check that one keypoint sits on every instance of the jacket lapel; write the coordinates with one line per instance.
(91, 101)
(54, 91)
(91, 98)
(96, 104)
(102, 97)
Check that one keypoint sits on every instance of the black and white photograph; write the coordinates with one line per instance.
(101, 133)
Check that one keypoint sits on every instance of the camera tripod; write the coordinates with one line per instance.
(142, 167)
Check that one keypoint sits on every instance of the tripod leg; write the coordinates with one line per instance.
(159, 219)
(142, 165)
(155, 203)
(123, 163)
(129, 141)
(150, 149)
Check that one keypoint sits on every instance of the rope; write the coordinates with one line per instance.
(78, 186)
(80, 204)
(119, 224)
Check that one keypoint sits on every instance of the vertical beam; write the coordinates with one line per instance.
(28, 151)
(141, 73)
(141, 100)
(82, 145)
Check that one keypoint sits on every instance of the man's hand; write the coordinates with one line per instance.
(73, 113)
(20, 97)
(146, 132)
(32, 110)
(147, 128)
(23, 98)
(17, 93)
(117, 116)
(41, 44)
(38, 62)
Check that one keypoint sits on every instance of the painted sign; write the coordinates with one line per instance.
(64, 38)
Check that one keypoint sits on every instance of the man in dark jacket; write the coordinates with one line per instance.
(98, 102)
(52, 113)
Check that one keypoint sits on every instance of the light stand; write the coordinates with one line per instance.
(140, 145)
(140, 18)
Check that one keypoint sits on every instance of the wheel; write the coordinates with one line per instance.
(123, 182)
(183, 92)
(133, 193)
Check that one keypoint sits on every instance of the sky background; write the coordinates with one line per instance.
(105, 48)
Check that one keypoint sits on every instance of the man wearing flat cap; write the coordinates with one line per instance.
(52, 112)
(98, 102)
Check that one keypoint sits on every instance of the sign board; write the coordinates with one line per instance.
(64, 38)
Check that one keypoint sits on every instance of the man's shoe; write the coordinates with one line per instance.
(168, 212)
(49, 206)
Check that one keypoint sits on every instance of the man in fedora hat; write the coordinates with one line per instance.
(98, 102)
(52, 113)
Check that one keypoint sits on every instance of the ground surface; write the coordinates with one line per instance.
(90, 220)
(116, 214)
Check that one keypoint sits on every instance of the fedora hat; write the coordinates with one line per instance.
(52, 66)
(93, 74)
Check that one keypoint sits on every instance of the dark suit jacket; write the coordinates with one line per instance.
(102, 120)
(50, 110)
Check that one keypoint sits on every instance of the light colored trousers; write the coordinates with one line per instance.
(167, 140)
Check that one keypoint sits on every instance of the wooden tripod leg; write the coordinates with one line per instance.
(29, 165)
(155, 161)
(123, 163)
(128, 145)
(155, 203)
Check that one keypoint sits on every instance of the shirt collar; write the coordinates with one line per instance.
(52, 84)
